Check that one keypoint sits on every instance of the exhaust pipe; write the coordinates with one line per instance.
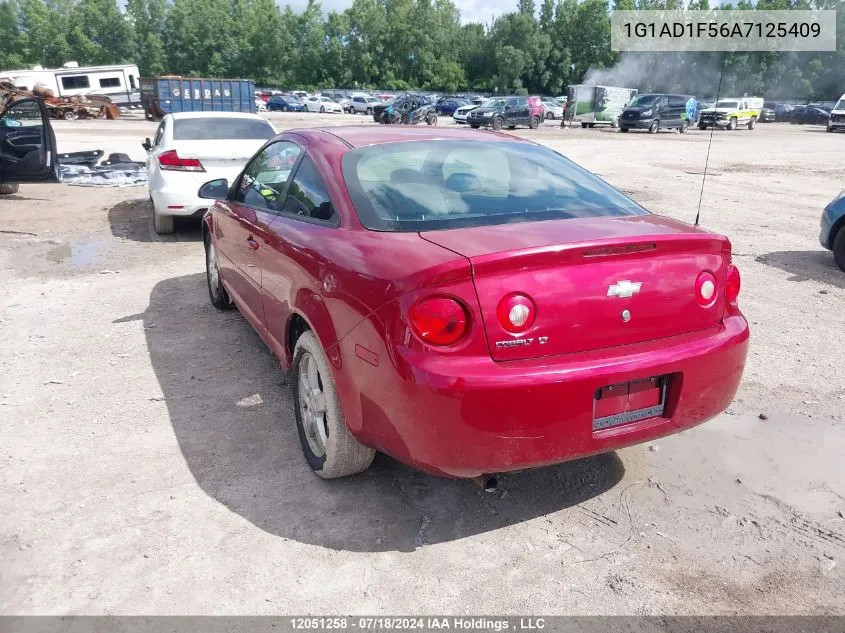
(488, 483)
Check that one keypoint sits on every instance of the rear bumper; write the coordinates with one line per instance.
(464, 417)
(830, 216)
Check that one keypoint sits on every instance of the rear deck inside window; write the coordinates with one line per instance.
(441, 184)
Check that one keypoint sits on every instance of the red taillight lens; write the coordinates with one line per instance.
(705, 289)
(516, 313)
(170, 160)
(439, 320)
(732, 284)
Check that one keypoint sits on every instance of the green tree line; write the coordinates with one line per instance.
(400, 44)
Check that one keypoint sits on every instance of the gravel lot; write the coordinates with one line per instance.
(150, 462)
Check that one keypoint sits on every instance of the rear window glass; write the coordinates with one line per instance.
(219, 128)
(430, 185)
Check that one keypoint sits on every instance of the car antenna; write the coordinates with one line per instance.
(710, 142)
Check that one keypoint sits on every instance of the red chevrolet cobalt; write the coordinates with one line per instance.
(468, 302)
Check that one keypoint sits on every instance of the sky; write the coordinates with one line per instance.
(484, 11)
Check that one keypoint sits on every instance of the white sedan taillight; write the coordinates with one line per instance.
(170, 161)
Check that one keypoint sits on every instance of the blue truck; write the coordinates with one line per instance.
(166, 95)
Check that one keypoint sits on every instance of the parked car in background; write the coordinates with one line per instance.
(837, 116)
(731, 112)
(809, 115)
(783, 111)
(388, 261)
(654, 112)
(190, 148)
(553, 109)
(27, 145)
(447, 106)
(461, 114)
(508, 112)
(364, 104)
(284, 103)
(300, 94)
(832, 235)
(768, 114)
(322, 104)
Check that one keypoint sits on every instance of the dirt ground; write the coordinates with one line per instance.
(149, 461)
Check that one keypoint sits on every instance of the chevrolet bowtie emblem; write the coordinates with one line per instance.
(624, 289)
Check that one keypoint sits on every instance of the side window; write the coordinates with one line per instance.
(75, 81)
(677, 101)
(132, 81)
(263, 182)
(159, 134)
(307, 195)
(664, 101)
(358, 99)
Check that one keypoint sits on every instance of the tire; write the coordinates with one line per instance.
(8, 188)
(701, 126)
(583, 125)
(534, 123)
(497, 123)
(839, 249)
(751, 123)
(431, 119)
(216, 292)
(369, 112)
(591, 125)
(322, 109)
(474, 126)
(550, 116)
(732, 123)
(614, 123)
(684, 127)
(163, 224)
(329, 448)
(829, 129)
(70, 115)
(654, 128)
(624, 130)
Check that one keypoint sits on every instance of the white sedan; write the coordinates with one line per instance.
(554, 110)
(461, 114)
(322, 104)
(191, 148)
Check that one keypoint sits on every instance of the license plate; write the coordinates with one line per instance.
(629, 402)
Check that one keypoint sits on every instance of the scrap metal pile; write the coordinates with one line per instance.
(68, 108)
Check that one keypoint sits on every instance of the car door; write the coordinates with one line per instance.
(242, 223)
(293, 261)
(27, 144)
(523, 115)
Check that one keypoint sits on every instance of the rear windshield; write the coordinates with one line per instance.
(442, 184)
(219, 128)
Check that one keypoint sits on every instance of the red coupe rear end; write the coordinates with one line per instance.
(482, 304)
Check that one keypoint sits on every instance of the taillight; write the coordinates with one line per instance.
(439, 320)
(705, 289)
(732, 284)
(516, 313)
(170, 161)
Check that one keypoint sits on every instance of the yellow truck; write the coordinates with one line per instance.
(729, 113)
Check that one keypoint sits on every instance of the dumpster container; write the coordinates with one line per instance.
(167, 95)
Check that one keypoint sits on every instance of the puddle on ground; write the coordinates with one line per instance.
(78, 253)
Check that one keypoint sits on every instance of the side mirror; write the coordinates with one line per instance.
(215, 189)
(147, 144)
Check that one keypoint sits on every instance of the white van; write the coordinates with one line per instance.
(837, 116)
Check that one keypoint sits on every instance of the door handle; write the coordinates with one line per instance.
(252, 243)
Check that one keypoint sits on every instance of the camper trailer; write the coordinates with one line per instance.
(593, 105)
(119, 83)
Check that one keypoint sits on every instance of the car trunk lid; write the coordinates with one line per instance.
(595, 283)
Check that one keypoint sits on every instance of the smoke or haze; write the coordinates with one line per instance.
(687, 73)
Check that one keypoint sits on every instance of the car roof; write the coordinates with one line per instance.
(214, 115)
(365, 135)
